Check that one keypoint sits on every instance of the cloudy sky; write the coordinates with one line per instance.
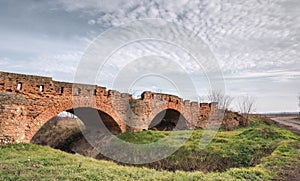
(255, 43)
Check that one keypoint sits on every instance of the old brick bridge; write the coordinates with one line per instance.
(27, 102)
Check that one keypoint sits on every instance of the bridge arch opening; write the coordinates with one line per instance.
(60, 132)
(66, 130)
(92, 120)
(168, 120)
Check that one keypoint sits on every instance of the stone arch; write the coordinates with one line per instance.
(168, 119)
(110, 122)
(91, 118)
(60, 132)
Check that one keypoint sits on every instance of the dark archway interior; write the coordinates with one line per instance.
(64, 131)
(168, 120)
(96, 120)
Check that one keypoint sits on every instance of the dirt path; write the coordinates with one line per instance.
(289, 122)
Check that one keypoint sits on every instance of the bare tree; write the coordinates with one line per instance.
(224, 101)
(246, 105)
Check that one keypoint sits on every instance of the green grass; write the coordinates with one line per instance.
(32, 162)
(260, 152)
(244, 147)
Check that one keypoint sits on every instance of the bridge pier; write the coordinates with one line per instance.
(12, 118)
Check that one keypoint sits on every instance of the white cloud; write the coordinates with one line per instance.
(60, 66)
(91, 6)
(4, 61)
(243, 34)
(91, 22)
(252, 40)
(272, 74)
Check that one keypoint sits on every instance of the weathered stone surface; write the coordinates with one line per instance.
(28, 102)
(232, 120)
(12, 118)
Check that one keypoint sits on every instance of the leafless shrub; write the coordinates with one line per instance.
(246, 105)
(224, 101)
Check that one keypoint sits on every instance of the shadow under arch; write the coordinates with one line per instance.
(168, 120)
(93, 117)
(64, 132)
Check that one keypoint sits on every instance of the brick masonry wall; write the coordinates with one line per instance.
(39, 99)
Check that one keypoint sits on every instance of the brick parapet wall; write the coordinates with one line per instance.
(41, 98)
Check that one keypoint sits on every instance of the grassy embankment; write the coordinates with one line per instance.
(260, 152)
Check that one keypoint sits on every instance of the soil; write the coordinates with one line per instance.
(289, 122)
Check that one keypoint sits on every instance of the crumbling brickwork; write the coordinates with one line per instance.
(28, 102)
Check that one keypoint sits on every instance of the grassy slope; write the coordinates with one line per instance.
(31, 162)
(228, 149)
